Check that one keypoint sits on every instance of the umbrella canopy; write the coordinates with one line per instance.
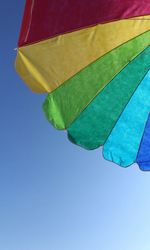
(93, 60)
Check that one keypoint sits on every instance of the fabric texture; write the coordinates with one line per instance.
(93, 126)
(143, 158)
(48, 18)
(93, 60)
(64, 105)
(46, 65)
(123, 143)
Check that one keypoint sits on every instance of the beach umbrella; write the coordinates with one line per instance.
(93, 60)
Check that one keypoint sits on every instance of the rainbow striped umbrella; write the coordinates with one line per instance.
(93, 60)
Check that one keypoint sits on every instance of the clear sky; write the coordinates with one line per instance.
(53, 194)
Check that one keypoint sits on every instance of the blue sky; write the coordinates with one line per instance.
(53, 194)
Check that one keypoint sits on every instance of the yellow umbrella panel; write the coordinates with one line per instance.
(45, 65)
